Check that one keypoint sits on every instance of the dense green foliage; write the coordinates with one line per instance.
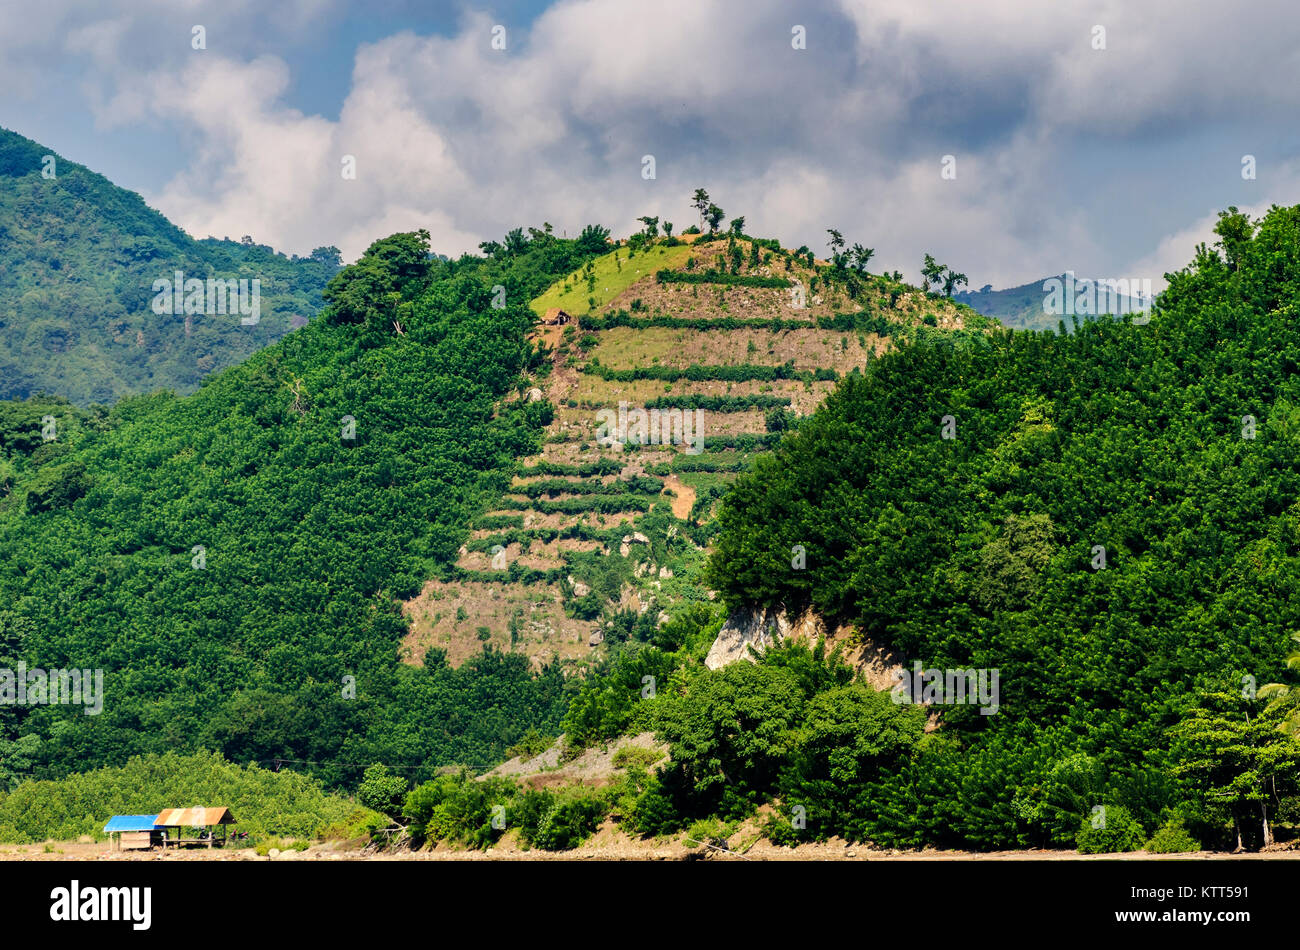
(78, 261)
(1108, 519)
(1172, 838)
(232, 559)
(1172, 446)
(264, 802)
(1110, 831)
(464, 812)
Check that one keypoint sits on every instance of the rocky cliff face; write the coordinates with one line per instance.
(747, 633)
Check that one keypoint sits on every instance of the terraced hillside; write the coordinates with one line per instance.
(594, 540)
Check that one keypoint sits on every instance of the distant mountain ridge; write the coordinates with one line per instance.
(79, 257)
(1033, 306)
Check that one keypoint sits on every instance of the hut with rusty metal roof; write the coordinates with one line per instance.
(204, 821)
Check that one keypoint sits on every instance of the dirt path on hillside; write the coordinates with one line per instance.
(683, 497)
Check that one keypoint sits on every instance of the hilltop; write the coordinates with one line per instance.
(78, 260)
(592, 542)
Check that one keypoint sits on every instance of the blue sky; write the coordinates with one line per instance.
(1109, 160)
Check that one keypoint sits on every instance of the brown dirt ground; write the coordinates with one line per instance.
(683, 497)
(611, 844)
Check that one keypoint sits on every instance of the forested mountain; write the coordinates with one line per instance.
(78, 261)
(1109, 518)
(1027, 306)
(230, 557)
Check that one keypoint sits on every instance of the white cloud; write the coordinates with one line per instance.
(467, 141)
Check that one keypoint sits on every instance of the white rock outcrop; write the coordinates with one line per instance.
(747, 632)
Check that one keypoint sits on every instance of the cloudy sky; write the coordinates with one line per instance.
(1107, 161)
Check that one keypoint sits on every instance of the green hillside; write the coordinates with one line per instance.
(1114, 525)
(328, 555)
(232, 559)
(78, 261)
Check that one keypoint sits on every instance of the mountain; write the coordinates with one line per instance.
(245, 563)
(590, 543)
(441, 525)
(79, 258)
(240, 551)
(1033, 306)
(1109, 521)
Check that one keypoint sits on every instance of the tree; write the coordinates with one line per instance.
(382, 791)
(329, 256)
(931, 273)
(1235, 761)
(515, 242)
(714, 215)
(651, 225)
(668, 229)
(701, 203)
(952, 280)
(738, 226)
(366, 292)
(1235, 231)
(861, 257)
(836, 243)
(594, 239)
(1280, 693)
(732, 731)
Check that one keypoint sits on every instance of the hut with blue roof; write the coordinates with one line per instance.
(133, 832)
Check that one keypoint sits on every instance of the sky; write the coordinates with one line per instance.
(1012, 139)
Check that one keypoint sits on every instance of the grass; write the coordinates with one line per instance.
(703, 481)
(611, 278)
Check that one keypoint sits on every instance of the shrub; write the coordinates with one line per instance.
(527, 811)
(569, 821)
(382, 791)
(633, 756)
(780, 830)
(530, 745)
(1120, 832)
(1172, 838)
(710, 831)
(458, 808)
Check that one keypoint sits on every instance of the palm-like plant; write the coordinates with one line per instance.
(1281, 692)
